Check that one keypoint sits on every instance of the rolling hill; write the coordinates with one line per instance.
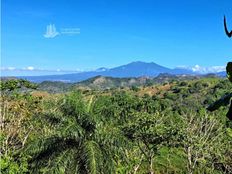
(103, 82)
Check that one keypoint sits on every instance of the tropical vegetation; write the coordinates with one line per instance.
(152, 128)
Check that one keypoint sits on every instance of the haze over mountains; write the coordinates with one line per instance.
(134, 69)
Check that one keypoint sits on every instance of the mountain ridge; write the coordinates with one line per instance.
(133, 69)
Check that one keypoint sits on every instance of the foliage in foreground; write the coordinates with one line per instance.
(117, 131)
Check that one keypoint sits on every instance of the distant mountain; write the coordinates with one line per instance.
(182, 71)
(137, 69)
(134, 69)
(222, 74)
(101, 69)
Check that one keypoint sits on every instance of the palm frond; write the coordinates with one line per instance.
(91, 158)
(70, 129)
(49, 118)
(64, 163)
(108, 161)
(43, 149)
(74, 104)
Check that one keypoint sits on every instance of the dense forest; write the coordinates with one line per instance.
(153, 128)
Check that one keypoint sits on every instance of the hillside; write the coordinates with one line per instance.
(102, 82)
(154, 127)
(54, 87)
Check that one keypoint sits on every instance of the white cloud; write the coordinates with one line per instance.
(51, 31)
(32, 71)
(218, 68)
(7, 68)
(213, 69)
(196, 68)
(30, 68)
(204, 70)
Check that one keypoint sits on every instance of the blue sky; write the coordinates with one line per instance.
(112, 33)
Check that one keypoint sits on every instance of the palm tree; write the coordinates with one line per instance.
(75, 146)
